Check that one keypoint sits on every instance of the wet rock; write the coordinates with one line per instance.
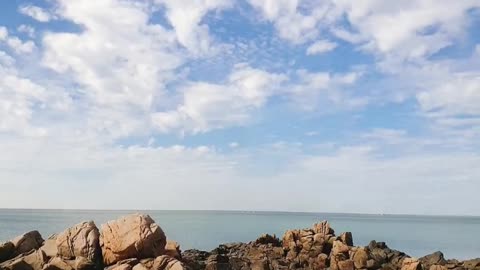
(133, 236)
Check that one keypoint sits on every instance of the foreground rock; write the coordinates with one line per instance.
(33, 260)
(135, 236)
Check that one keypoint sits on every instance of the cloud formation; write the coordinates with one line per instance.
(215, 99)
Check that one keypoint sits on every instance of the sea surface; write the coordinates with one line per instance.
(456, 237)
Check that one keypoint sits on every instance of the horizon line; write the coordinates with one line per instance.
(253, 211)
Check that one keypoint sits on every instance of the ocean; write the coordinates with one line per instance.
(456, 237)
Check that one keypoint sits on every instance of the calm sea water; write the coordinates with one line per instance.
(456, 237)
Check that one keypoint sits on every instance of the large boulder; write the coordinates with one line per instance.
(360, 258)
(27, 242)
(81, 240)
(133, 236)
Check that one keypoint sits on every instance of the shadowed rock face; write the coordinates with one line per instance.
(27, 242)
(135, 242)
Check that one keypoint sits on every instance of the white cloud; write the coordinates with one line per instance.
(321, 46)
(36, 13)
(18, 96)
(207, 106)
(3, 33)
(407, 29)
(209, 179)
(324, 91)
(27, 29)
(119, 79)
(186, 15)
(296, 21)
(16, 44)
(460, 95)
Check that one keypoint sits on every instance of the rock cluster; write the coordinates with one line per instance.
(131, 242)
(135, 242)
(315, 248)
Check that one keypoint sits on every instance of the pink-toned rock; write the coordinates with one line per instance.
(133, 236)
(323, 228)
(411, 264)
(172, 249)
(165, 262)
(81, 240)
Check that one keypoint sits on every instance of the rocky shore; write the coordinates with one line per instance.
(135, 242)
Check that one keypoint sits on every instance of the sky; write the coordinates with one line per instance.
(366, 106)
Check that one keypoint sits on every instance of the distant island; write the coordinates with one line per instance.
(136, 242)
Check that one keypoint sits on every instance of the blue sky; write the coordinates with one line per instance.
(365, 106)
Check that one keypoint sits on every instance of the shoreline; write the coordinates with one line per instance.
(137, 241)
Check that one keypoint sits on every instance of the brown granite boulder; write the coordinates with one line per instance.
(27, 242)
(81, 240)
(133, 236)
(360, 258)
